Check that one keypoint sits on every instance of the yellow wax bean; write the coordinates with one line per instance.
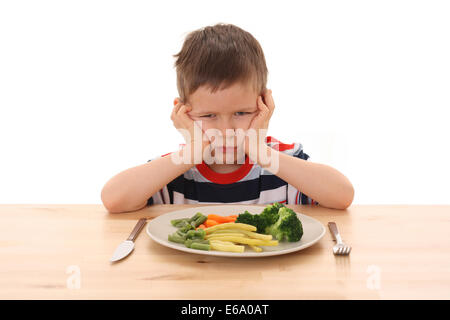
(250, 234)
(253, 235)
(255, 242)
(223, 242)
(226, 247)
(230, 225)
(214, 234)
(255, 248)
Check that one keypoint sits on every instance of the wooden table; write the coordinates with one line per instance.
(63, 251)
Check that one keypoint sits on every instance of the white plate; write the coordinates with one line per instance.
(160, 227)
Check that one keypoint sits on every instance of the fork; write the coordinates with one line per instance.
(340, 248)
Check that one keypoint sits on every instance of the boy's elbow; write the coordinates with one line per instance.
(347, 198)
(110, 204)
(120, 207)
(342, 206)
(111, 207)
(343, 200)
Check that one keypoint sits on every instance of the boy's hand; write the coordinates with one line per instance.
(186, 126)
(266, 107)
(260, 124)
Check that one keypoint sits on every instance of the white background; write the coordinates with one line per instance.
(87, 87)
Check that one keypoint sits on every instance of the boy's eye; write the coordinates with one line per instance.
(206, 116)
(242, 113)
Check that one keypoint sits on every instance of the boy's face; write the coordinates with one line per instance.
(231, 108)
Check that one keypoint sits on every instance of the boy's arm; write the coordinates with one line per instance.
(320, 182)
(129, 190)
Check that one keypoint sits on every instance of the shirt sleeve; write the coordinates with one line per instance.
(295, 196)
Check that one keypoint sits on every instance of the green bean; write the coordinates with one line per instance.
(178, 222)
(186, 228)
(182, 223)
(195, 217)
(200, 246)
(194, 221)
(181, 234)
(200, 220)
(176, 238)
(200, 233)
(188, 242)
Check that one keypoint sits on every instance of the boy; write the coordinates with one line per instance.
(221, 79)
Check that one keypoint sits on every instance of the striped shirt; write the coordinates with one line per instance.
(249, 184)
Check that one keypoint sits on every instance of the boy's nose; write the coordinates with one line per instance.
(225, 124)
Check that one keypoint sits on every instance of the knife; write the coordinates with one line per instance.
(127, 246)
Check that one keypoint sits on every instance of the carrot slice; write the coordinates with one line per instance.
(202, 226)
(210, 222)
(220, 219)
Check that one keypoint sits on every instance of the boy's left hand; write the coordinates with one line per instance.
(265, 107)
(260, 122)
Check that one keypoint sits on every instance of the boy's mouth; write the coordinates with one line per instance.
(227, 152)
(225, 149)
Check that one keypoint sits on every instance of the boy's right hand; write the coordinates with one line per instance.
(186, 126)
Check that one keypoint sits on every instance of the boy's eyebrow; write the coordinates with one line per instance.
(248, 109)
(243, 109)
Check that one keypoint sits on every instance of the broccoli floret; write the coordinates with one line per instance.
(253, 219)
(269, 216)
(261, 221)
(277, 220)
(248, 218)
(287, 227)
(270, 213)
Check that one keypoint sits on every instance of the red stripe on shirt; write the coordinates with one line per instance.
(283, 146)
(270, 139)
(225, 178)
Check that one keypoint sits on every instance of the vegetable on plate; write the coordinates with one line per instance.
(231, 233)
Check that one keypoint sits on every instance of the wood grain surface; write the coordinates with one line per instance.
(63, 251)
